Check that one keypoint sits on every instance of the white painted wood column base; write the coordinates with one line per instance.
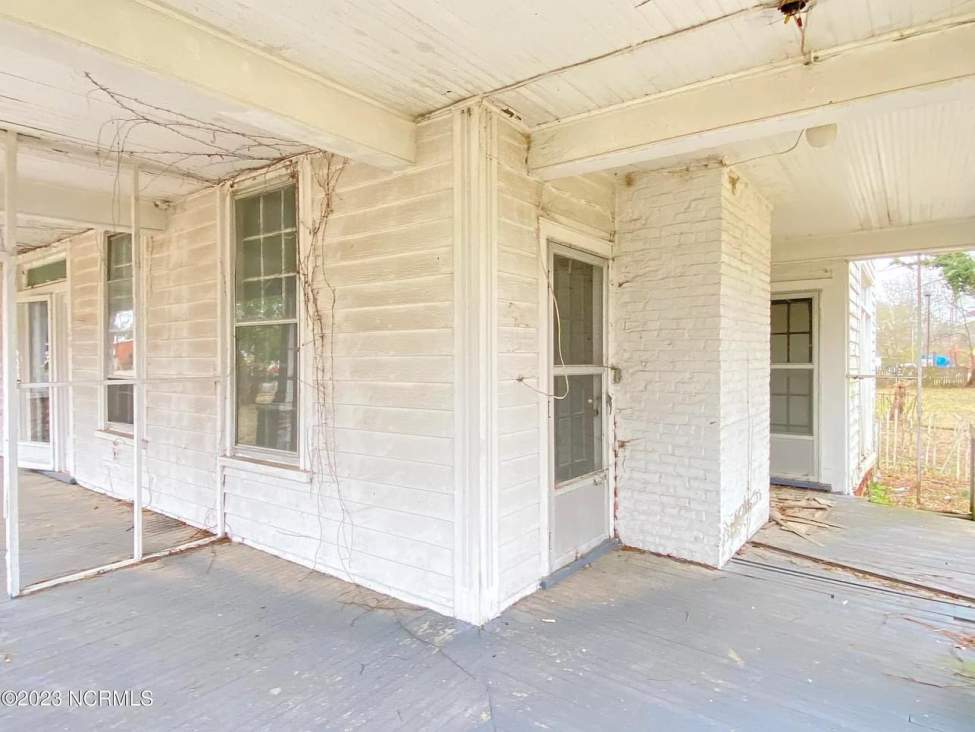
(476, 585)
(11, 401)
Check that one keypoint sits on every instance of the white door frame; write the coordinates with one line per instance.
(554, 236)
(59, 343)
(814, 295)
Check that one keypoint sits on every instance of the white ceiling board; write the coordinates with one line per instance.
(901, 168)
(46, 93)
(420, 56)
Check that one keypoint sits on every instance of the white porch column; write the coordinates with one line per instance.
(475, 390)
(10, 392)
(690, 321)
(138, 389)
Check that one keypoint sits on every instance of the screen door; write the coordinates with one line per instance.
(579, 518)
(34, 361)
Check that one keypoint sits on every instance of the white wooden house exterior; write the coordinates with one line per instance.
(475, 321)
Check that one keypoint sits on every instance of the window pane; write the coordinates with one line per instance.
(266, 256)
(271, 212)
(780, 349)
(44, 273)
(271, 255)
(780, 317)
(121, 321)
(792, 401)
(267, 386)
(35, 415)
(800, 348)
(800, 382)
(248, 216)
(800, 415)
(792, 338)
(577, 320)
(780, 413)
(800, 316)
(120, 404)
(578, 426)
(119, 257)
(290, 253)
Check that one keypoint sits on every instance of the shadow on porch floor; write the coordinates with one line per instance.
(65, 528)
(229, 636)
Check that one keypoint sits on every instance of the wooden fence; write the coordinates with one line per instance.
(947, 452)
(956, 376)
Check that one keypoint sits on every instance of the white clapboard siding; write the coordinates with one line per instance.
(379, 508)
(587, 203)
(180, 272)
(99, 463)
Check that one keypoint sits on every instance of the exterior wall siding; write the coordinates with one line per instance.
(101, 462)
(378, 509)
(586, 203)
(861, 354)
(181, 276)
(828, 281)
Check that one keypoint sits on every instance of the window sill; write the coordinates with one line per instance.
(264, 467)
(113, 436)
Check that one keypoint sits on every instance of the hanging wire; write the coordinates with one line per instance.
(558, 333)
(789, 149)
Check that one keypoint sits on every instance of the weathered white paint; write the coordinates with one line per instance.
(81, 208)
(139, 370)
(691, 337)
(841, 83)
(548, 59)
(827, 282)
(861, 336)
(576, 209)
(842, 405)
(11, 395)
(936, 236)
(476, 556)
(284, 99)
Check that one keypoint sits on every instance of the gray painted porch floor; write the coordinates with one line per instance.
(65, 528)
(229, 637)
(922, 547)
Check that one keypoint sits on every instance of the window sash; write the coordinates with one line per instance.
(47, 273)
(119, 332)
(792, 340)
(265, 308)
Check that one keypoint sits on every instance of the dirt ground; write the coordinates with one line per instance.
(947, 412)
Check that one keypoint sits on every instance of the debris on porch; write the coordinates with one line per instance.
(799, 512)
(912, 549)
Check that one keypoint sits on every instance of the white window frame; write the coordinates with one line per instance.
(47, 257)
(246, 456)
(553, 236)
(813, 295)
(113, 430)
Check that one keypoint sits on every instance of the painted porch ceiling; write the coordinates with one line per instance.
(534, 57)
(900, 168)
(50, 92)
(421, 55)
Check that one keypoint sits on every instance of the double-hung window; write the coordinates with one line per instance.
(119, 331)
(793, 367)
(266, 322)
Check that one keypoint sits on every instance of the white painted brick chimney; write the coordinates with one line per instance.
(690, 326)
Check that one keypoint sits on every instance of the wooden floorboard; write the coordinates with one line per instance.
(230, 637)
(921, 547)
(65, 528)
